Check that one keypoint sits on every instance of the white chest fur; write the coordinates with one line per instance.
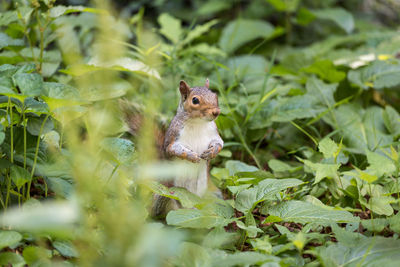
(196, 135)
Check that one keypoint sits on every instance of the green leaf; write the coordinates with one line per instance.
(373, 251)
(30, 84)
(326, 71)
(35, 124)
(121, 150)
(284, 5)
(305, 212)
(60, 10)
(65, 248)
(170, 27)
(391, 118)
(279, 166)
(19, 176)
(380, 165)
(240, 31)
(192, 254)
(11, 259)
(6, 40)
(235, 166)
(395, 223)
(328, 147)
(321, 91)
(340, 16)
(198, 31)
(266, 189)
(375, 225)
(186, 198)
(191, 218)
(9, 238)
(247, 258)
(50, 217)
(33, 254)
(378, 75)
(323, 170)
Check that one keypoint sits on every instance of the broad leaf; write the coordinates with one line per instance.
(19, 175)
(193, 218)
(9, 238)
(378, 75)
(340, 16)
(240, 31)
(373, 251)
(305, 212)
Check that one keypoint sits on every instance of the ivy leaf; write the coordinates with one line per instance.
(240, 31)
(305, 212)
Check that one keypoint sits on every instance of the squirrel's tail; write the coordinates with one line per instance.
(134, 118)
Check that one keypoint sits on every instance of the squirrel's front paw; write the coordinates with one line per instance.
(193, 157)
(211, 152)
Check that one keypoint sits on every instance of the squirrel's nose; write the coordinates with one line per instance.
(216, 112)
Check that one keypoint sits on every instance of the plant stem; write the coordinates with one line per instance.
(11, 132)
(36, 156)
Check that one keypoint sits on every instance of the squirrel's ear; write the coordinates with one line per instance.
(184, 88)
(208, 83)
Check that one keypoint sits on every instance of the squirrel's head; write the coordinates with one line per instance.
(199, 102)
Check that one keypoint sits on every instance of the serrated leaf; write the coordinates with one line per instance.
(328, 147)
(323, 170)
(240, 31)
(378, 75)
(248, 198)
(305, 212)
(170, 27)
(198, 31)
(380, 165)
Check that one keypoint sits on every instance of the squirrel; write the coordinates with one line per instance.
(191, 136)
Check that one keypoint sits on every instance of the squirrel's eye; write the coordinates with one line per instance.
(195, 100)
